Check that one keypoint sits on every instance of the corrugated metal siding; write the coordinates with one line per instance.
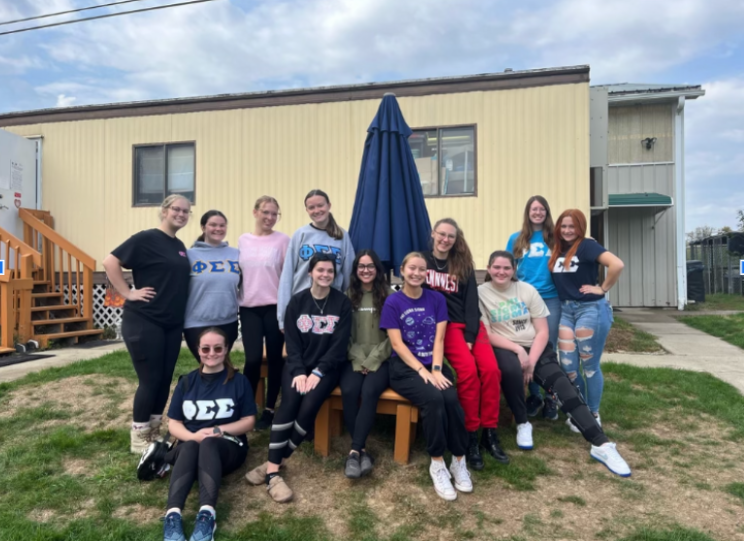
(631, 124)
(642, 243)
(529, 141)
(640, 178)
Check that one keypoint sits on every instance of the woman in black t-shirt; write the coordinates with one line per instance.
(211, 411)
(153, 318)
(317, 330)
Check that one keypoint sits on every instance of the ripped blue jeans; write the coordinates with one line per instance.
(581, 338)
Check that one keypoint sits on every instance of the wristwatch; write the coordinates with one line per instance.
(436, 368)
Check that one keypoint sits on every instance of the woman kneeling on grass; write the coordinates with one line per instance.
(516, 319)
(366, 376)
(416, 321)
(317, 335)
(211, 410)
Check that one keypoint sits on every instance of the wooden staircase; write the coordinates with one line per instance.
(55, 282)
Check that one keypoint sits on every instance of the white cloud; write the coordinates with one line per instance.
(65, 101)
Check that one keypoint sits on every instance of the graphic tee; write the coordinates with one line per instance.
(416, 319)
(159, 261)
(509, 313)
(583, 269)
(211, 401)
(532, 264)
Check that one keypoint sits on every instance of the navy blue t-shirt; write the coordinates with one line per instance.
(212, 401)
(583, 269)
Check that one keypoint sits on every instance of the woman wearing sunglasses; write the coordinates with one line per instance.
(317, 334)
(152, 323)
(211, 411)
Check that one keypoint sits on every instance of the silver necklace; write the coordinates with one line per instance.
(437, 266)
(324, 304)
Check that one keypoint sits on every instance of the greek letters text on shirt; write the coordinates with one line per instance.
(560, 265)
(441, 281)
(200, 267)
(307, 251)
(208, 410)
(317, 324)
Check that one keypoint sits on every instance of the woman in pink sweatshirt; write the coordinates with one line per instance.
(261, 260)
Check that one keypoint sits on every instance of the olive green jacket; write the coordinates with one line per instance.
(369, 346)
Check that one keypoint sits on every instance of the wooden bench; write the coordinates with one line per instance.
(329, 422)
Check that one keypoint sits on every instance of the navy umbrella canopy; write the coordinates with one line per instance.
(390, 215)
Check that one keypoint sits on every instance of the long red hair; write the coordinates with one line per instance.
(559, 245)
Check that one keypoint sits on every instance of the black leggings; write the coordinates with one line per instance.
(441, 413)
(296, 414)
(550, 376)
(256, 323)
(192, 336)
(154, 351)
(512, 382)
(359, 394)
(209, 460)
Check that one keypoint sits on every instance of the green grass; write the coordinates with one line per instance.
(624, 337)
(34, 478)
(729, 328)
(719, 301)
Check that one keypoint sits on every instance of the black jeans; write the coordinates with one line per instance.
(208, 461)
(296, 414)
(154, 351)
(256, 323)
(441, 413)
(359, 394)
(191, 335)
(512, 382)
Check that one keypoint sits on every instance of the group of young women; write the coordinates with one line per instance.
(443, 342)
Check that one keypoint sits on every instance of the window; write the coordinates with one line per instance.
(445, 159)
(162, 170)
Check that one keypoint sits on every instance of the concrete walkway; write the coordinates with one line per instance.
(688, 348)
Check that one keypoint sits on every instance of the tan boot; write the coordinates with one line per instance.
(257, 476)
(140, 440)
(279, 491)
(155, 433)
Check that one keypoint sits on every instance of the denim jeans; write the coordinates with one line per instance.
(581, 338)
(554, 319)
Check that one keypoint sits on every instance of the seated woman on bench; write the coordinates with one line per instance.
(317, 330)
(366, 376)
(416, 321)
(516, 319)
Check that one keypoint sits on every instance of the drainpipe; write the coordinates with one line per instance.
(679, 188)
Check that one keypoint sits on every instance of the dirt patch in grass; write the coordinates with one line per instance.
(96, 406)
(138, 512)
(625, 338)
(77, 466)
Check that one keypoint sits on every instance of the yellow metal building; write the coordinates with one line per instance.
(531, 132)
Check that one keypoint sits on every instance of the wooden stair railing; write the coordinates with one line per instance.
(16, 286)
(62, 263)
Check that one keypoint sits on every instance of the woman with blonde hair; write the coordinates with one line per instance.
(153, 319)
(586, 315)
(262, 254)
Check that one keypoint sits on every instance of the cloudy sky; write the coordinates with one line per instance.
(245, 45)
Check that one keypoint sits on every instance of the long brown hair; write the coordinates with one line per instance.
(523, 240)
(506, 255)
(228, 364)
(459, 258)
(380, 288)
(559, 245)
(333, 229)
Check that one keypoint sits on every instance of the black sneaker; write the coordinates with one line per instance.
(475, 460)
(490, 441)
(267, 417)
(550, 409)
(368, 463)
(352, 466)
(534, 403)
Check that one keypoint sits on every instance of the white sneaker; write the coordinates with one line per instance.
(441, 478)
(572, 426)
(459, 471)
(524, 436)
(607, 454)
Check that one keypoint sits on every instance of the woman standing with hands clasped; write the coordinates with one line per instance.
(416, 322)
(152, 323)
(261, 260)
(317, 333)
(586, 315)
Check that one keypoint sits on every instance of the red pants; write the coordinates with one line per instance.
(478, 376)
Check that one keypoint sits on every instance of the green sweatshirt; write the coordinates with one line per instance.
(369, 346)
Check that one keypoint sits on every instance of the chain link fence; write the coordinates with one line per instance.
(720, 256)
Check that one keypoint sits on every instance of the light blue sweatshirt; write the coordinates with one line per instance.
(532, 265)
(213, 288)
(305, 242)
